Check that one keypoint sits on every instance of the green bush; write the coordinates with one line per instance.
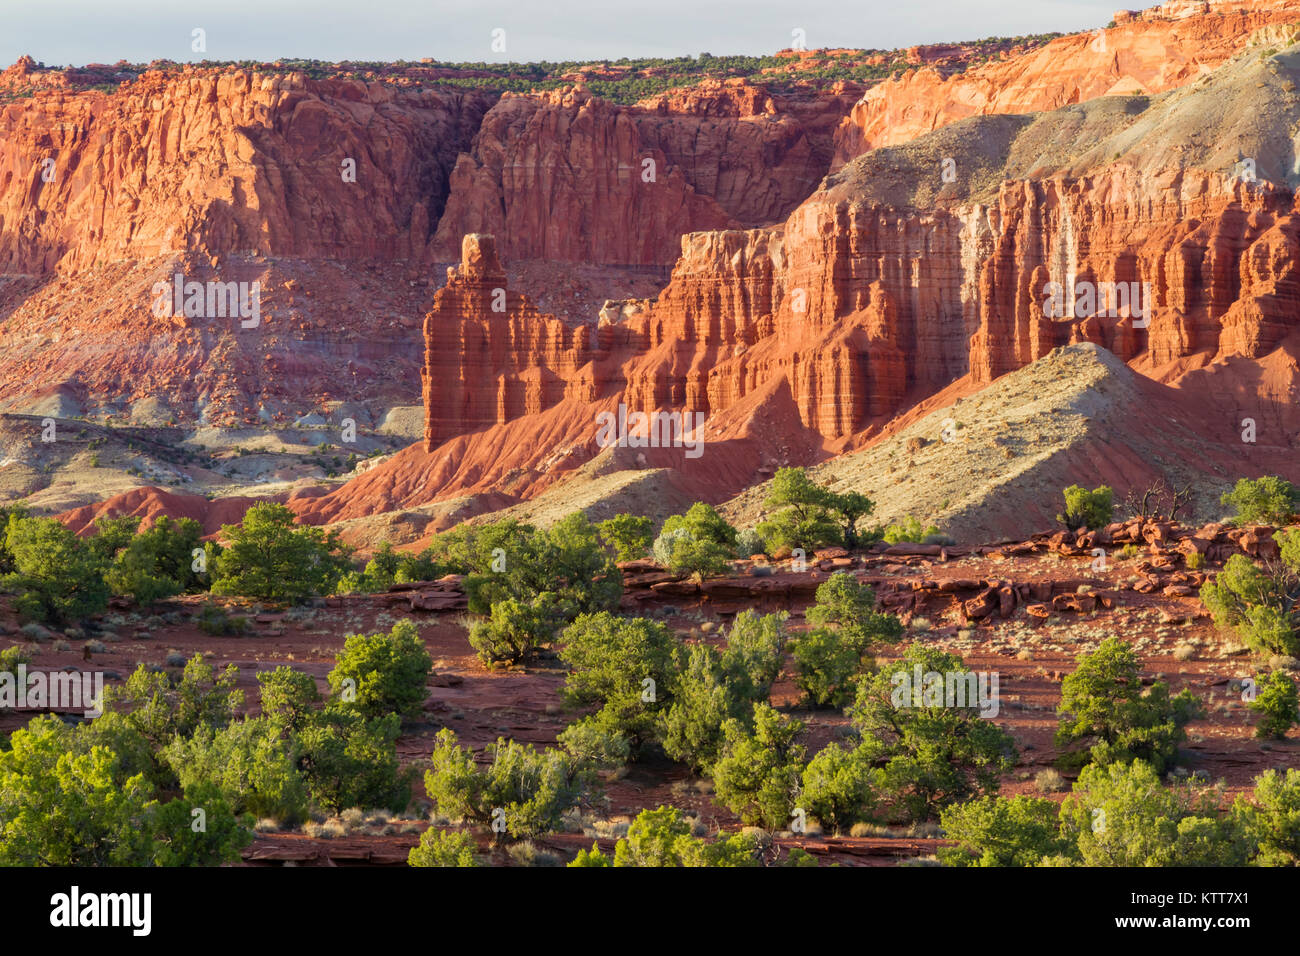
(524, 790)
(1087, 509)
(444, 848)
(629, 535)
(759, 770)
(251, 763)
(681, 552)
(705, 524)
(385, 673)
(289, 697)
(611, 659)
(826, 667)
(663, 837)
(349, 761)
(597, 741)
(57, 577)
(1002, 831)
(1273, 817)
(1278, 706)
(809, 516)
(270, 558)
(1120, 815)
(932, 755)
(68, 800)
(911, 530)
(515, 630)
(1103, 706)
(159, 708)
(1259, 606)
(849, 607)
(831, 656)
(543, 579)
(1268, 500)
(154, 564)
(701, 704)
(840, 786)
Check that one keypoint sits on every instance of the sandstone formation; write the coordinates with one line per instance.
(1146, 52)
(572, 178)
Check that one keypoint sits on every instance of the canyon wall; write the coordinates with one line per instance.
(226, 162)
(568, 177)
(1150, 52)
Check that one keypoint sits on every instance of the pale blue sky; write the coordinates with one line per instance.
(63, 32)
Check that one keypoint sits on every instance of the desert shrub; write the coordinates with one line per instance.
(1120, 815)
(702, 702)
(268, 557)
(1259, 605)
(1002, 831)
(699, 543)
(417, 567)
(911, 530)
(385, 673)
(932, 755)
(801, 515)
(807, 515)
(826, 667)
(56, 576)
(839, 786)
(663, 837)
(759, 768)
(379, 574)
(710, 687)
(568, 560)
(591, 858)
(6, 556)
(705, 524)
(153, 564)
(848, 606)
(611, 659)
(545, 579)
(216, 620)
(68, 800)
(1278, 706)
(160, 707)
(251, 763)
(831, 656)
(515, 630)
(748, 543)
(752, 657)
(349, 761)
(11, 657)
(1266, 500)
(629, 535)
(597, 741)
(289, 697)
(1087, 509)
(528, 790)
(1103, 707)
(685, 553)
(439, 847)
(1273, 817)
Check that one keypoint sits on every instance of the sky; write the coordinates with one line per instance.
(76, 32)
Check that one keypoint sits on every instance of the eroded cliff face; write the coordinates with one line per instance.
(226, 162)
(1156, 50)
(568, 177)
(1216, 260)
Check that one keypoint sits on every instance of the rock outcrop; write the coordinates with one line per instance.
(568, 177)
(1148, 52)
